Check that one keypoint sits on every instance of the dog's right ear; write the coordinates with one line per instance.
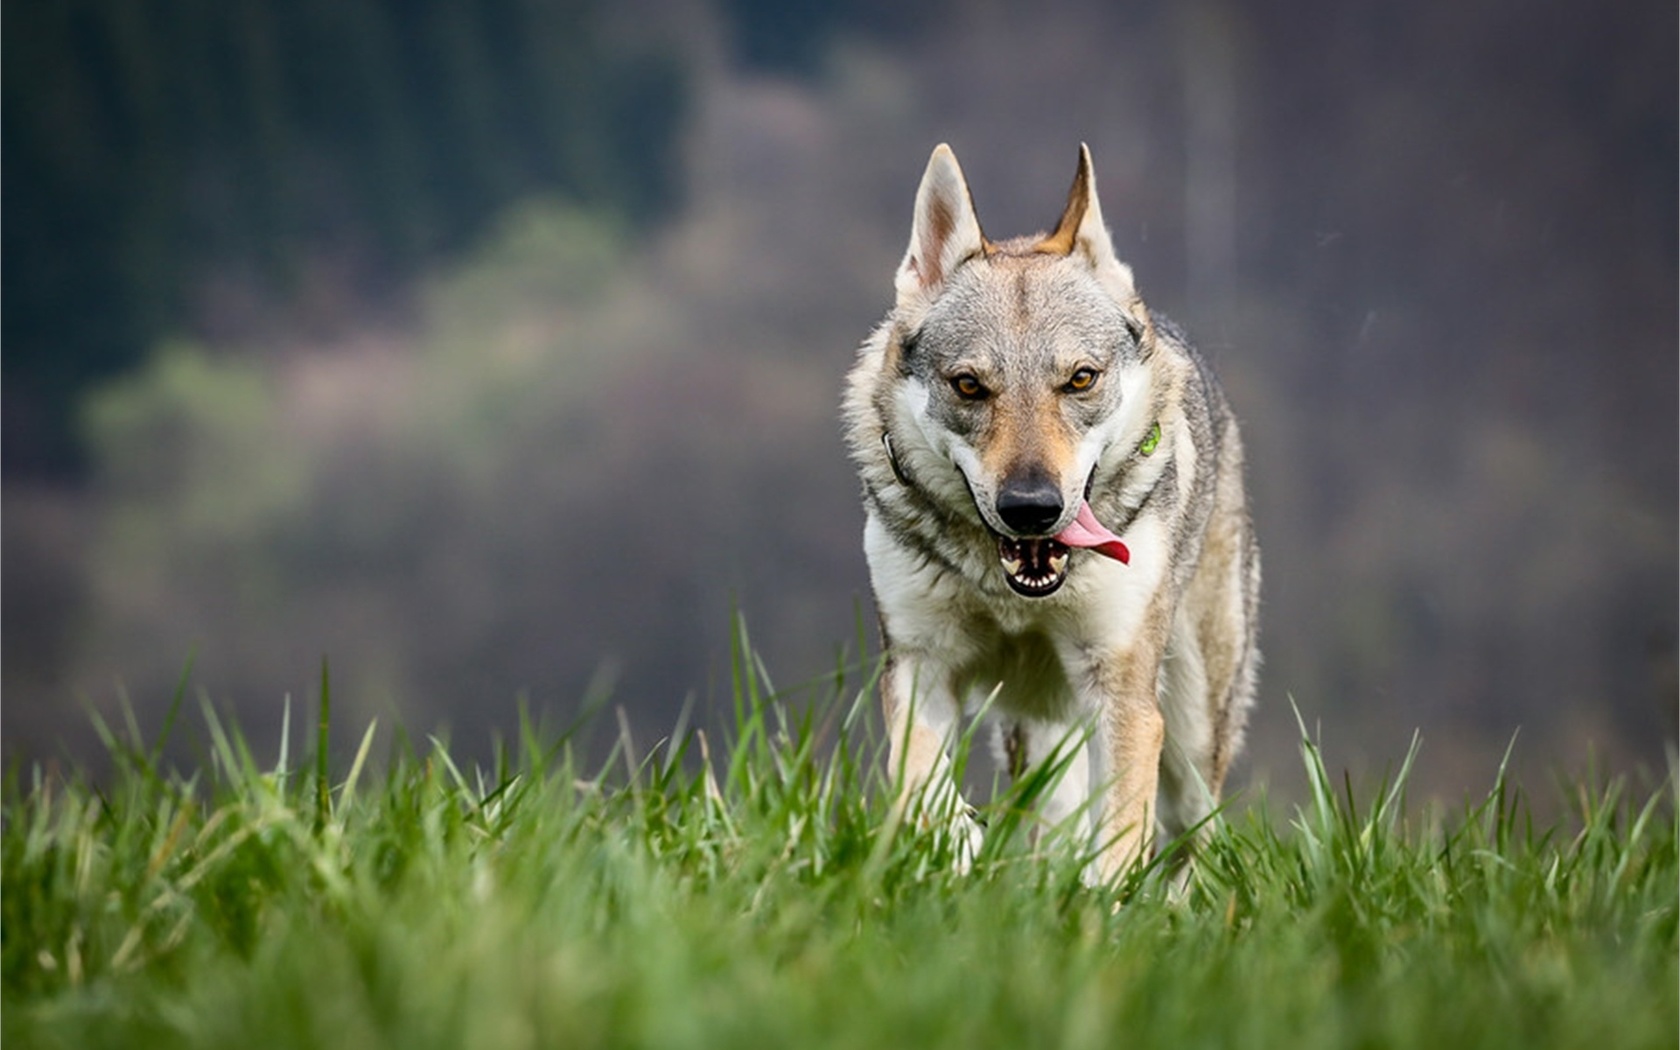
(944, 234)
(1081, 233)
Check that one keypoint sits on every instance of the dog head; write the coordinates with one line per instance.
(1018, 361)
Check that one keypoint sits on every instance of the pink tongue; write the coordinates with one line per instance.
(1087, 531)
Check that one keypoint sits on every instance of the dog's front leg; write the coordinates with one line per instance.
(923, 719)
(1132, 734)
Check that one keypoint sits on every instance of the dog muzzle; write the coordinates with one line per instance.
(1036, 568)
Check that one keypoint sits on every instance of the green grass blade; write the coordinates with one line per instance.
(323, 799)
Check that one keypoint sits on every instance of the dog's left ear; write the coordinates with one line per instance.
(1081, 233)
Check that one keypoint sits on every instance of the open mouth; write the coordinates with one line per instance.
(1034, 568)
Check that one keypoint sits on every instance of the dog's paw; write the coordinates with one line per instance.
(950, 825)
(967, 835)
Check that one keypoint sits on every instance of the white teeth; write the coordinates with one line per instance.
(1013, 566)
(1058, 564)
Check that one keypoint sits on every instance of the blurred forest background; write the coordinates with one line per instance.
(494, 350)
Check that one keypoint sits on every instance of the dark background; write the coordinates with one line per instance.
(493, 351)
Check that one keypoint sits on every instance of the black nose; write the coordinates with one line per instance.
(1030, 505)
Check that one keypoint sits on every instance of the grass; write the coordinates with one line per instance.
(764, 898)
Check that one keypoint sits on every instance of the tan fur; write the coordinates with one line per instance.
(1135, 734)
(1073, 215)
(1024, 435)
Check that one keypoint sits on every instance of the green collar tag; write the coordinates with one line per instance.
(1150, 440)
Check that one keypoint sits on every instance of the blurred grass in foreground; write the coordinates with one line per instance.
(754, 892)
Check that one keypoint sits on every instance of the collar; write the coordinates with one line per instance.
(892, 458)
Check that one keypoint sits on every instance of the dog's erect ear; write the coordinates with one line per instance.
(1081, 233)
(944, 233)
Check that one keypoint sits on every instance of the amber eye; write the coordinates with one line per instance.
(967, 387)
(1083, 379)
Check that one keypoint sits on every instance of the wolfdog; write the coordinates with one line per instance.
(1056, 529)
